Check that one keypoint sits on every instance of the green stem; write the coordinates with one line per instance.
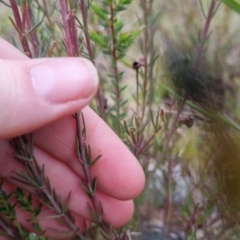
(115, 66)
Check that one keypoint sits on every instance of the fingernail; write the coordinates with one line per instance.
(64, 79)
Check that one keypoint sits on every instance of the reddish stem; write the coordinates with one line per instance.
(86, 169)
(32, 34)
(21, 27)
(16, 15)
(24, 14)
(84, 12)
(145, 81)
(73, 31)
(148, 141)
(204, 33)
(65, 19)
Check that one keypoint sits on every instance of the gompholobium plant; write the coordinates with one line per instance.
(157, 82)
(39, 38)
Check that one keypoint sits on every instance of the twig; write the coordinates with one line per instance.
(90, 182)
(114, 65)
(82, 146)
(30, 23)
(149, 141)
(176, 119)
(146, 40)
(137, 86)
(42, 184)
(72, 41)
(191, 221)
(5, 3)
(204, 34)
(174, 123)
(84, 12)
(73, 31)
(9, 230)
(65, 19)
(169, 207)
(21, 27)
(46, 13)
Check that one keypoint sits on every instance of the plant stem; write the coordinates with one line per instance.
(84, 12)
(82, 146)
(73, 31)
(191, 221)
(65, 19)
(43, 190)
(46, 13)
(77, 115)
(176, 119)
(33, 36)
(169, 208)
(204, 34)
(146, 39)
(9, 230)
(59, 210)
(137, 86)
(148, 141)
(21, 27)
(5, 3)
(114, 65)
(174, 123)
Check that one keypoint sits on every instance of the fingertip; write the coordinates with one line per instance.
(38, 92)
(62, 80)
(116, 212)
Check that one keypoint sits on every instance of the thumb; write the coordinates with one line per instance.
(36, 92)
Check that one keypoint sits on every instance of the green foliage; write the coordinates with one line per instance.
(122, 40)
(6, 208)
(33, 236)
(114, 42)
(233, 4)
(100, 12)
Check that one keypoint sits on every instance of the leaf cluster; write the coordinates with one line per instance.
(8, 218)
(107, 16)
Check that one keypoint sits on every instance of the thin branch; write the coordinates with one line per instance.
(82, 146)
(146, 145)
(65, 19)
(146, 41)
(174, 123)
(29, 25)
(21, 28)
(168, 213)
(204, 34)
(43, 190)
(191, 221)
(5, 3)
(73, 31)
(10, 231)
(84, 12)
(115, 66)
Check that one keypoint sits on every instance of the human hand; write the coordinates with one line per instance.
(39, 96)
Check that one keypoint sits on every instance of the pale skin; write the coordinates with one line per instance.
(48, 116)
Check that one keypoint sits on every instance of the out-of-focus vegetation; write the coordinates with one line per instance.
(177, 107)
